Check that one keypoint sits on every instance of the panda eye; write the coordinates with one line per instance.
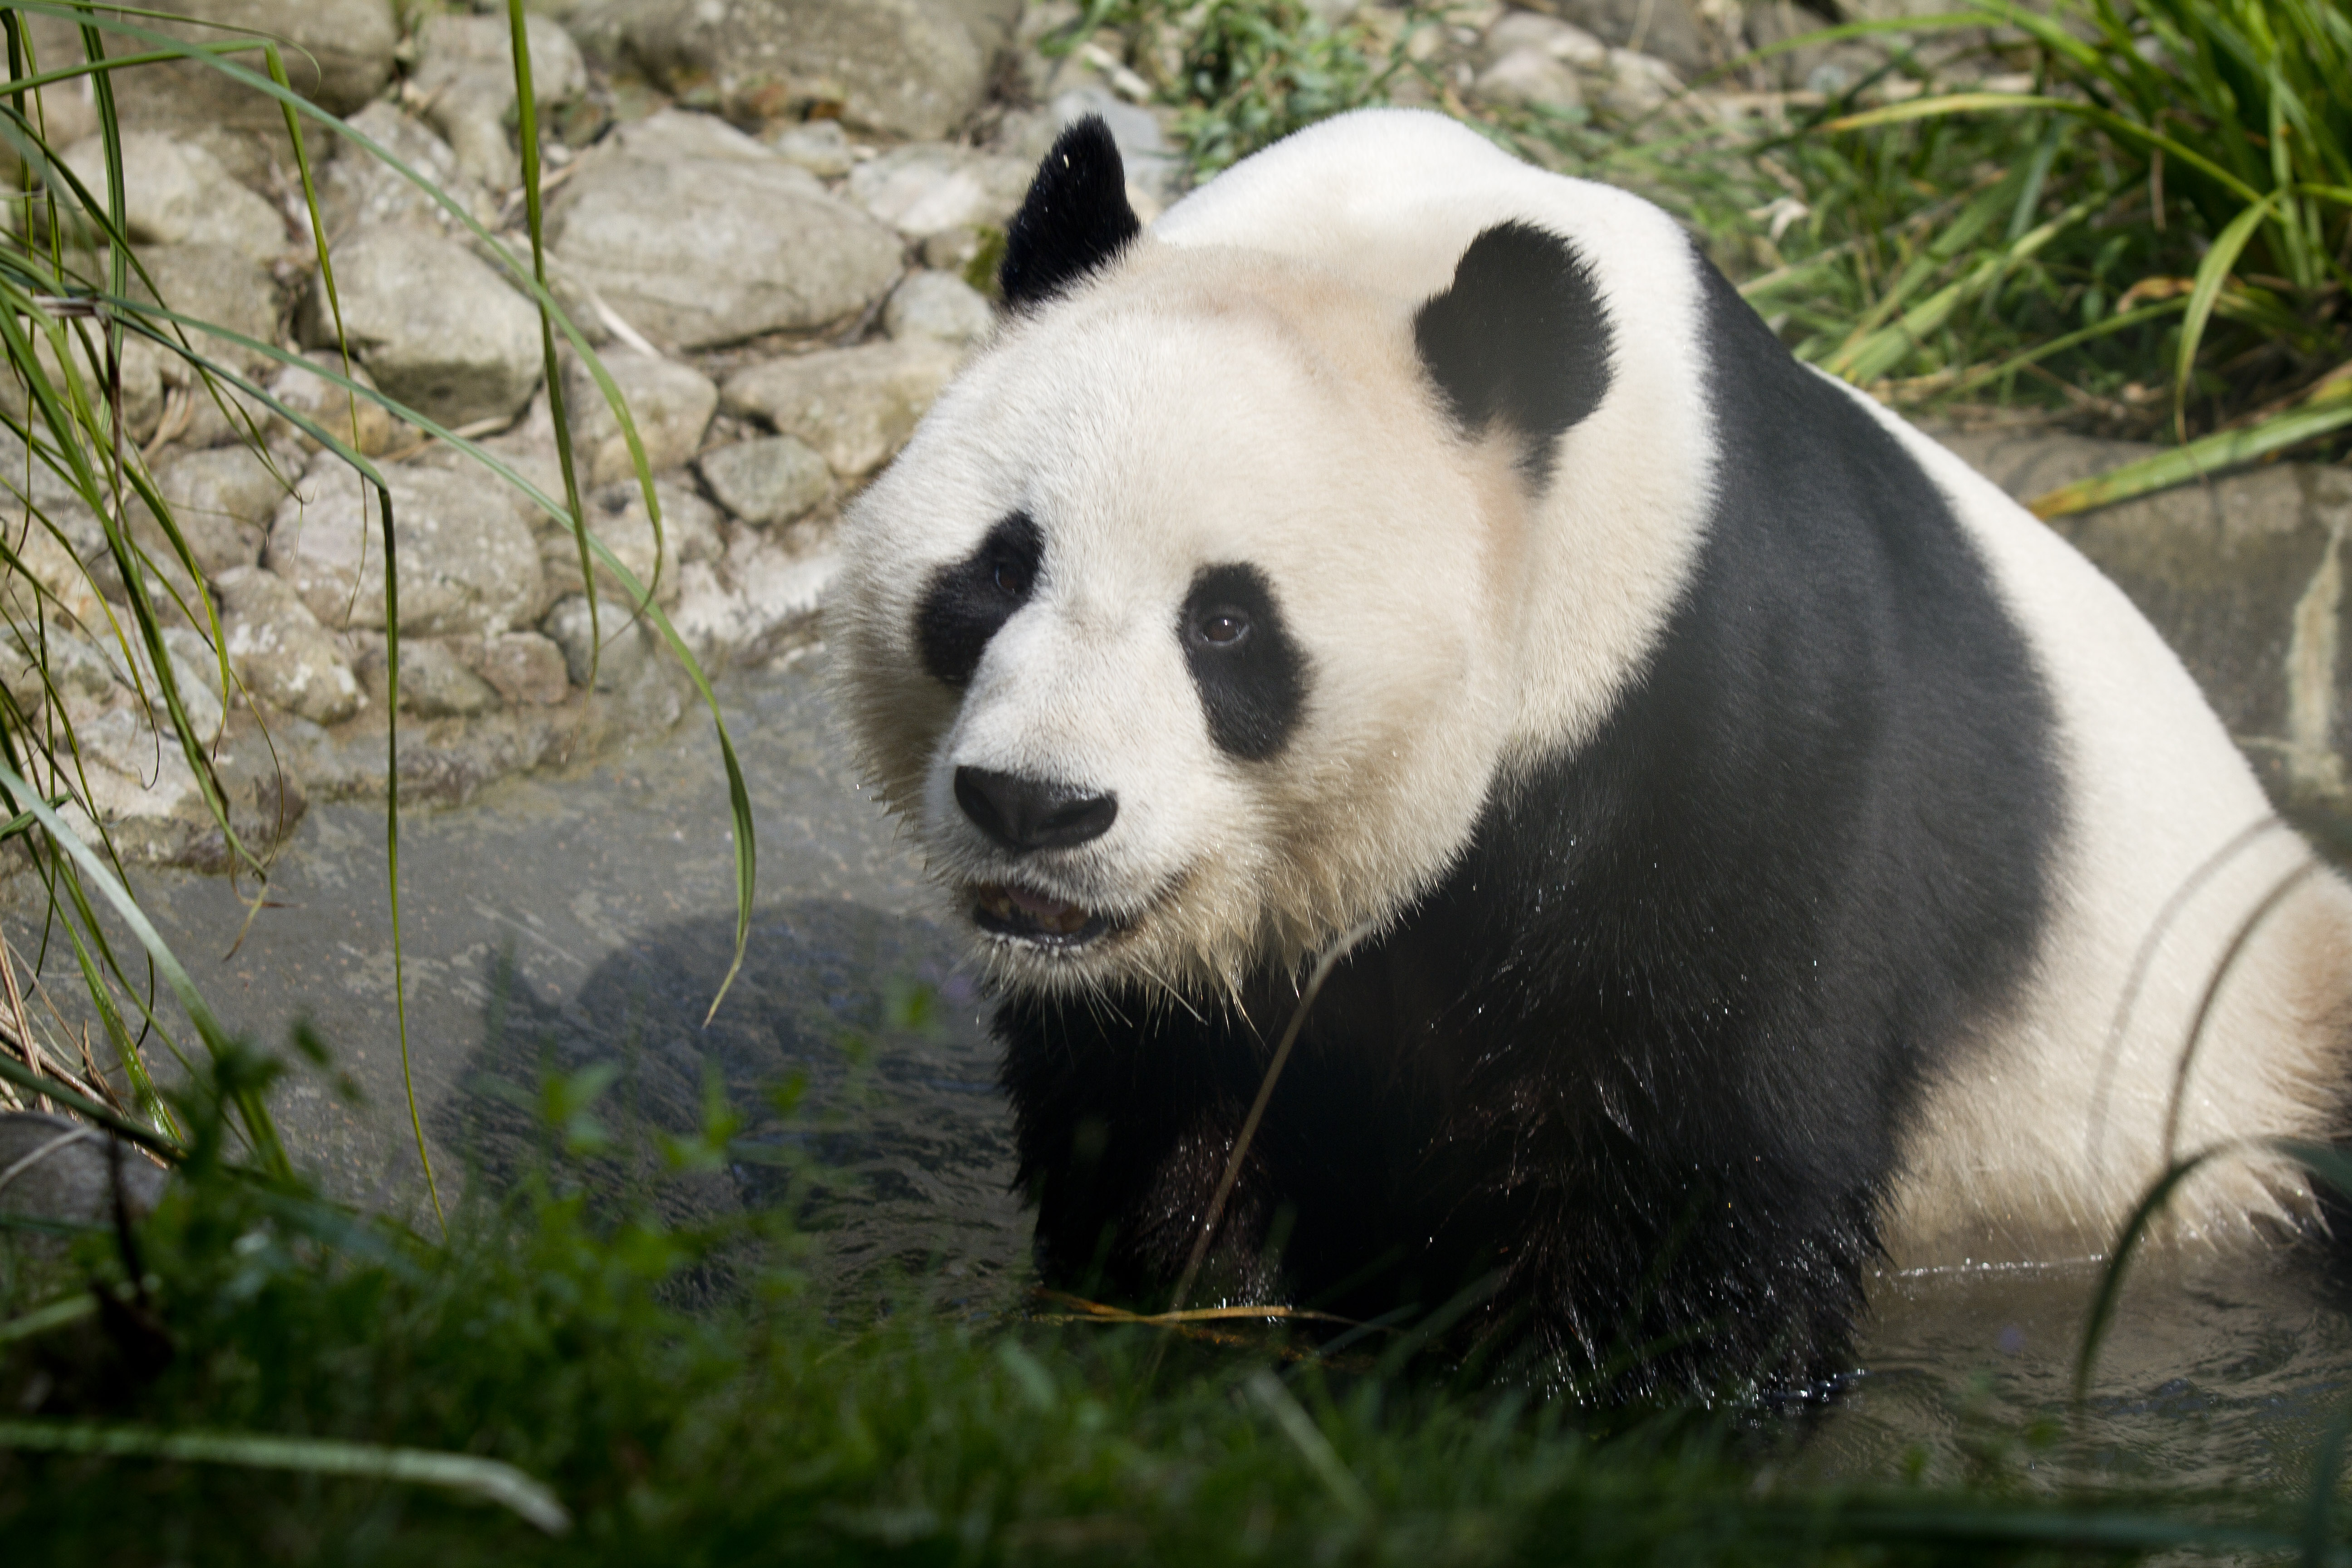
(1012, 579)
(1223, 626)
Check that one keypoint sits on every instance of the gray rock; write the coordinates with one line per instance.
(68, 1173)
(338, 53)
(178, 193)
(820, 146)
(617, 516)
(931, 186)
(1669, 29)
(220, 284)
(1638, 85)
(79, 672)
(202, 408)
(855, 406)
(767, 480)
(280, 651)
(465, 74)
(362, 191)
(2242, 577)
(906, 67)
(959, 250)
(763, 595)
(436, 683)
(221, 502)
(436, 327)
(139, 367)
(1835, 66)
(523, 668)
(670, 403)
(697, 241)
(1563, 41)
(467, 562)
(629, 646)
(360, 422)
(197, 681)
(1526, 78)
(938, 305)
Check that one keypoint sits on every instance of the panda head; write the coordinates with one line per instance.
(1184, 631)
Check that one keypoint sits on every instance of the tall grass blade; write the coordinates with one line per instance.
(259, 1131)
(491, 1480)
(2021, 102)
(2211, 273)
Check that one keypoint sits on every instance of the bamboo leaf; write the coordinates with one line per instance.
(2200, 458)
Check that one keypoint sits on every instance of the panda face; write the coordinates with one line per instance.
(1175, 632)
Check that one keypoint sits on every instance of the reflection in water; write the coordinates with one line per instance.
(866, 1009)
(2218, 1372)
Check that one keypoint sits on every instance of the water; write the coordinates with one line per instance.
(568, 920)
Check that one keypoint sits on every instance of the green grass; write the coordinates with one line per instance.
(256, 1375)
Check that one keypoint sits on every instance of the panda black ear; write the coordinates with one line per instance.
(1520, 337)
(1074, 220)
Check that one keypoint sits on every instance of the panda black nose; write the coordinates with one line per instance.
(1023, 814)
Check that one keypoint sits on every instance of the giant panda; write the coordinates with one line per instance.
(1748, 851)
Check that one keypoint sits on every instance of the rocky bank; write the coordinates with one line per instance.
(775, 221)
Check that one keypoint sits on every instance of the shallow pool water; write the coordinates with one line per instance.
(562, 921)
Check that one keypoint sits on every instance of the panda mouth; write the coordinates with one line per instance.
(1039, 919)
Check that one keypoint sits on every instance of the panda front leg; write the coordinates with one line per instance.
(1708, 1299)
(1123, 1135)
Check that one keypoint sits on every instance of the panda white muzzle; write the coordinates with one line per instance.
(1022, 815)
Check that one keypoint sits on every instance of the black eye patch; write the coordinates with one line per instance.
(1251, 677)
(969, 601)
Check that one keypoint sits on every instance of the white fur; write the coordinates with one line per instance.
(1242, 386)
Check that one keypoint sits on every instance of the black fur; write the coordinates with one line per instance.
(1074, 220)
(1633, 1079)
(968, 602)
(1519, 337)
(1253, 687)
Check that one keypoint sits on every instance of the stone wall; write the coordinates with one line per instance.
(2245, 576)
